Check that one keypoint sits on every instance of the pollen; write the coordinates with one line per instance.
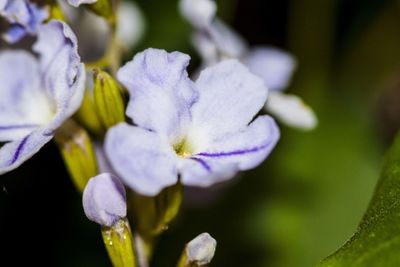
(183, 149)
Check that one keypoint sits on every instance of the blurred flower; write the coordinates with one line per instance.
(199, 12)
(25, 18)
(88, 26)
(38, 95)
(130, 24)
(203, 131)
(104, 200)
(276, 68)
(77, 3)
(215, 41)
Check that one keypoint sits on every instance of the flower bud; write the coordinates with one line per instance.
(104, 200)
(77, 151)
(87, 116)
(108, 99)
(199, 251)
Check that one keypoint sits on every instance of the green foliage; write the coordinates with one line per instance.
(377, 240)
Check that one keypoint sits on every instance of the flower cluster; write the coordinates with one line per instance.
(174, 131)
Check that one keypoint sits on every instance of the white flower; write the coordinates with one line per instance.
(200, 132)
(38, 95)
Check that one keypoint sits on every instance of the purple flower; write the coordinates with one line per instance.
(25, 18)
(104, 200)
(38, 95)
(215, 41)
(203, 132)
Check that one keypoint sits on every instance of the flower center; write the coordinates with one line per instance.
(183, 148)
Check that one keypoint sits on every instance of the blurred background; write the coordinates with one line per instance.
(304, 202)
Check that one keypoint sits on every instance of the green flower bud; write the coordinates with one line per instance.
(108, 100)
(77, 151)
(87, 116)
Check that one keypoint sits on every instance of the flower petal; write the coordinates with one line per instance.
(204, 173)
(14, 34)
(160, 90)
(206, 48)
(24, 105)
(144, 161)
(14, 153)
(61, 67)
(273, 65)
(230, 97)
(199, 13)
(230, 44)
(24, 16)
(77, 3)
(228, 154)
(291, 110)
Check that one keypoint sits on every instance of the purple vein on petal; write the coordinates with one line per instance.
(202, 163)
(19, 149)
(238, 152)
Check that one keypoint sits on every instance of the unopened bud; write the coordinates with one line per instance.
(108, 99)
(104, 200)
(77, 151)
(198, 252)
(87, 116)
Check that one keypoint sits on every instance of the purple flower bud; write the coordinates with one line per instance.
(104, 200)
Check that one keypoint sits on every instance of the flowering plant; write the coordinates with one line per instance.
(143, 131)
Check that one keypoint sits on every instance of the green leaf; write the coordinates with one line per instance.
(377, 240)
